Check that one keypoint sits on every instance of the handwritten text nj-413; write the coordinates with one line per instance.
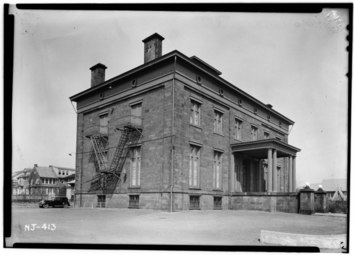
(45, 227)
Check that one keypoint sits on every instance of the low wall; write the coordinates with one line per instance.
(29, 198)
(263, 201)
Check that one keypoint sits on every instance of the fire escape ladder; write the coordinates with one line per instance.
(114, 175)
(120, 152)
(109, 177)
(98, 149)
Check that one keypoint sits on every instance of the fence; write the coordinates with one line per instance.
(94, 204)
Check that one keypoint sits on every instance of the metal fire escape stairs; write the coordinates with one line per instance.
(108, 178)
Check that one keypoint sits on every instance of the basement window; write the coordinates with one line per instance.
(194, 202)
(101, 201)
(134, 201)
(217, 203)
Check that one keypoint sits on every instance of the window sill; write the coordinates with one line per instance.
(218, 190)
(195, 188)
(238, 140)
(192, 125)
(134, 187)
(219, 134)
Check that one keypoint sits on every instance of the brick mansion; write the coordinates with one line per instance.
(171, 134)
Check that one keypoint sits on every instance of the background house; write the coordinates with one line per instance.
(20, 185)
(42, 182)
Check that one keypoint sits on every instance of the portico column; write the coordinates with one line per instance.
(294, 173)
(290, 174)
(232, 173)
(270, 170)
(260, 163)
(275, 175)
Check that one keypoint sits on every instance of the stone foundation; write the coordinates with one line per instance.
(262, 201)
(271, 202)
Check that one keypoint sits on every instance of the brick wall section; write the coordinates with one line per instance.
(155, 149)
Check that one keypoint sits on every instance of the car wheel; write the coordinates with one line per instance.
(65, 205)
(45, 206)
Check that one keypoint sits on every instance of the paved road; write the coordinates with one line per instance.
(124, 226)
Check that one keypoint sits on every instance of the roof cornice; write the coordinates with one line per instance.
(189, 61)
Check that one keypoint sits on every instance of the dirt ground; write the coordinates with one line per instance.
(125, 226)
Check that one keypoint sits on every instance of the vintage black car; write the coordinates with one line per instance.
(55, 202)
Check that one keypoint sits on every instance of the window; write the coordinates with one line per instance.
(217, 171)
(217, 203)
(238, 126)
(134, 201)
(254, 131)
(194, 164)
(217, 122)
(104, 124)
(136, 111)
(194, 203)
(195, 113)
(101, 201)
(135, 163)
(266, 135)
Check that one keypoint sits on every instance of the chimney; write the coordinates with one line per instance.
(152, 47)
(97, 74)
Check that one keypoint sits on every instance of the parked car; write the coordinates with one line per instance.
(55, 202)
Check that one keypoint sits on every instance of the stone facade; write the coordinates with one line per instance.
(189, 153)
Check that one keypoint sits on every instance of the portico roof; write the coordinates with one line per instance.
(259, 149)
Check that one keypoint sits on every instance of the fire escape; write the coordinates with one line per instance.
(110, 174)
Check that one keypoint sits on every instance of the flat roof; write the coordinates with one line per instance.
(259, 148)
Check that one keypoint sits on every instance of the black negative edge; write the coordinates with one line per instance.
(9, 22)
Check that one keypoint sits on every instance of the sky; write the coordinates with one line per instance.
(296, 62)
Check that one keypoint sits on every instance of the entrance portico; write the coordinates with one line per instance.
(257, 168)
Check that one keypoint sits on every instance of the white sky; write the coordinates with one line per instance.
(296, 62)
